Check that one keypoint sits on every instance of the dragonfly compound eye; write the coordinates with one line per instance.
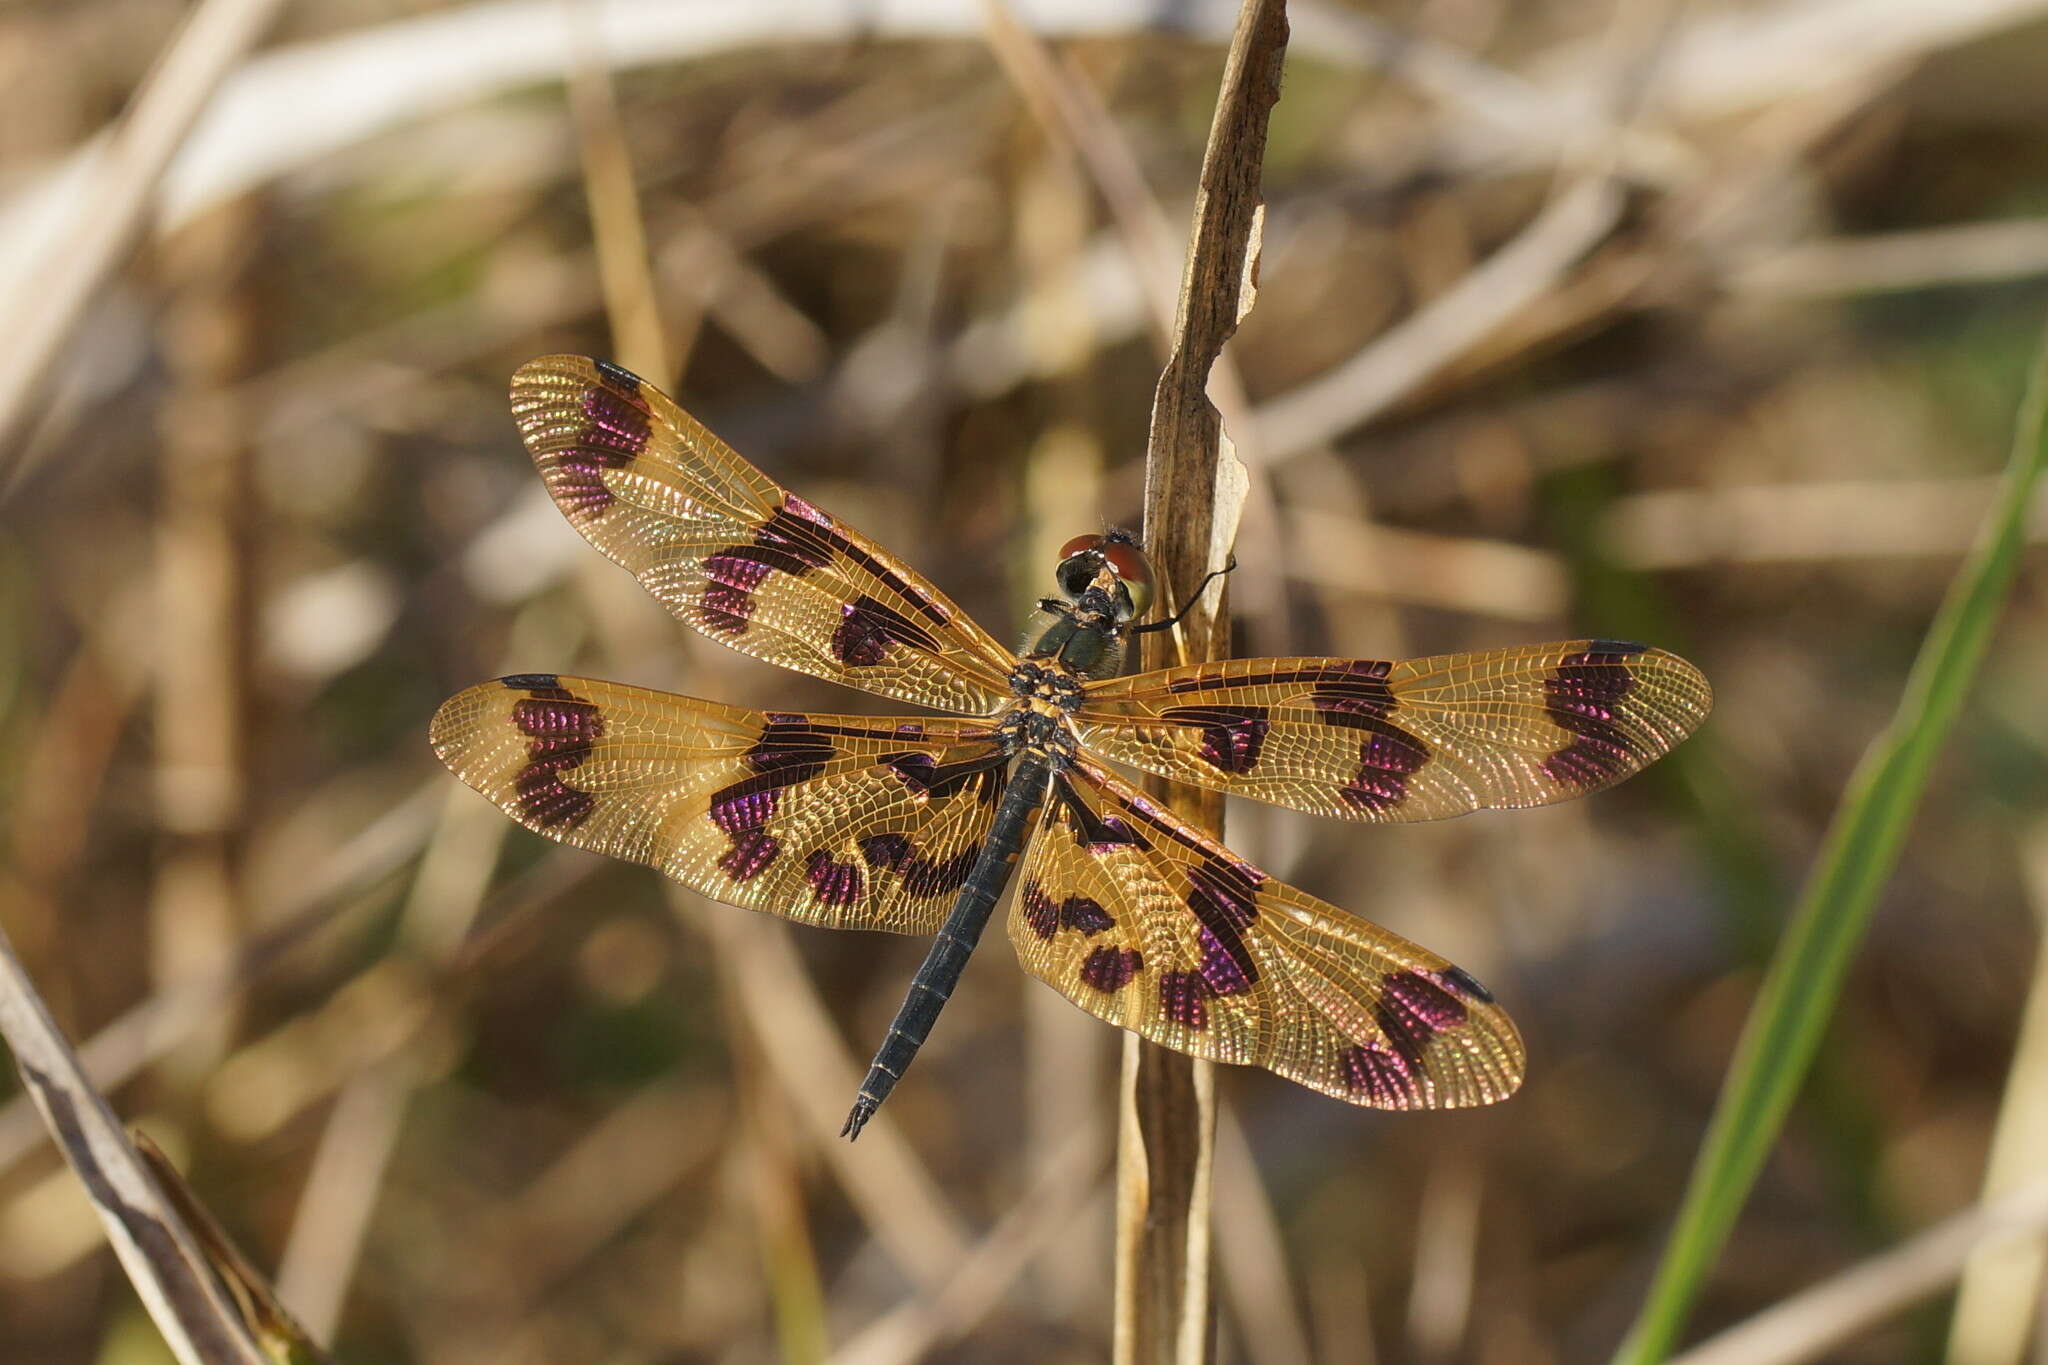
(1134, 569)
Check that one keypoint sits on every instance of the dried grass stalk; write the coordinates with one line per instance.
(1194, 494)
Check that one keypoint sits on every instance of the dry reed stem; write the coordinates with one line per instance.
(640, 340)
(618, 1167)
(1047, 1210)
(41, 314)
(1883, 262)
(282, 1337)
(342, 1188)
(618, 231)
(883, 1178)
(2000, 1299)
(340, 1193)
(1253, 1259)
(1806, 1325)
(1074, 116)
(89, 707)
(204, 574)
(1068, 109)
(162, 1257)
(1353, 393)
(1194, 491)
(1721, 64)
(1440, 1291)
(348, 880)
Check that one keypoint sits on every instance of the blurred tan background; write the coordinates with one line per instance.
(1700, 324)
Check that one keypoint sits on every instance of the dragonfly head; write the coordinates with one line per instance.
(1110, 564)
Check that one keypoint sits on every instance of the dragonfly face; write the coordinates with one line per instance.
(1105, 584)
(917, 824)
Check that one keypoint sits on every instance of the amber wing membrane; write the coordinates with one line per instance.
(849, 822)
(1142, 920)
(737, 556)
(1415, 740)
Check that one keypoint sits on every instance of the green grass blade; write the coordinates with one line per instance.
(1857, 857)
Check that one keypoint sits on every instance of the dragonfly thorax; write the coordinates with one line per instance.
(1038, 722)
(1081, 639)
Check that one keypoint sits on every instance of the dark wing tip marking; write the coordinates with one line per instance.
(1462, 981)
(619, 375)
(531, 682)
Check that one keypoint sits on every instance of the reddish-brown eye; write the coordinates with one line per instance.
(1129, 562)
(1078, 544)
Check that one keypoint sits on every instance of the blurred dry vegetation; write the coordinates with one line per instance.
(1755, 287)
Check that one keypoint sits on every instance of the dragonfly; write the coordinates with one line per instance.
(917, 825)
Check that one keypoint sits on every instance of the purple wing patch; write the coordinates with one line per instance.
(835, 883)
(614, 434)
(560, 728)
(1096, 833)
(1183, 1000)
(1223, 970)
(1378, 1074)
(1085, 916)
(1079, 913)
(1412, 1009)
(920, 876)
(786, 543)
(798, 539)
(1354, 687)
(867, 628)
(788, 752)
(1579, 697)
(1386, 761)
(1231, 735)
(1358, 698)
(1109, 970)
(936, 781)
(752, 852)
(1038, 910)
(1223, 893)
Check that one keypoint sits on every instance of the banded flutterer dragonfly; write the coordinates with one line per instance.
(915, 825)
